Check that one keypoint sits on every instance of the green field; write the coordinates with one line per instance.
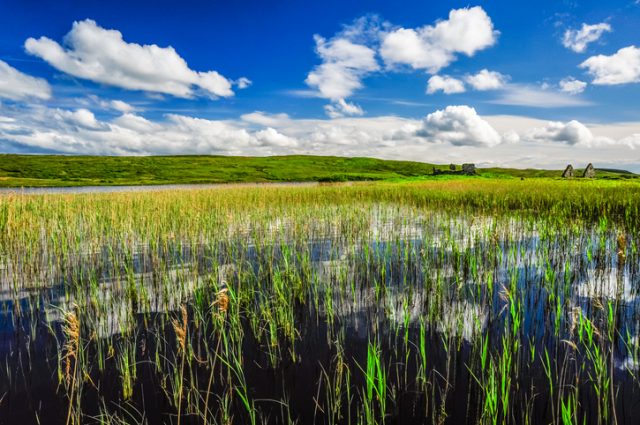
(56, 170)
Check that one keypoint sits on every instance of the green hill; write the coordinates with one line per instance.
(58, 170)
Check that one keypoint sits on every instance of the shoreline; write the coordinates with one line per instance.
(143, 188)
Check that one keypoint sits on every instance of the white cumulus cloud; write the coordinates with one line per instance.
(271, 137)
(572, 86)
(622, 67)
(444, 83)
(121, 106)
(578, 39)
(16, 85)
(486, 80)
(346, 60)
(572, 133)
(243, 83)
(103, 56)
(460, 126)
(344, 64)
(433, 47)
(342, 108)
(81, 117)
(351, 55)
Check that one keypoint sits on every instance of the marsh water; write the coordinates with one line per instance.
(141, 188)
(418, 317)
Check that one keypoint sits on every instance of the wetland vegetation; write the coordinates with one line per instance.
(443, 301)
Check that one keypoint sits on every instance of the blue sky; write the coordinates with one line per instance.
(529, 84)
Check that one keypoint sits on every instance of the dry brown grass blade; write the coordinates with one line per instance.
(622, 248)
(180, 329)
(222, 300)
(570, 344)
(71, 329)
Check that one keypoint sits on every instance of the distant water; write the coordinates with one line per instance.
(143, 188)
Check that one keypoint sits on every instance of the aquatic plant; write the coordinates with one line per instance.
(438, 302)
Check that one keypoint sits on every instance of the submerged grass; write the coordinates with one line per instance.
(444, 301)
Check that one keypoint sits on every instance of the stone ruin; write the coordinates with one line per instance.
(467, 170)
(568, 172)
(589, 172)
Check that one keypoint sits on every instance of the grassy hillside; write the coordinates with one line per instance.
(54, 170)
(533, 173)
